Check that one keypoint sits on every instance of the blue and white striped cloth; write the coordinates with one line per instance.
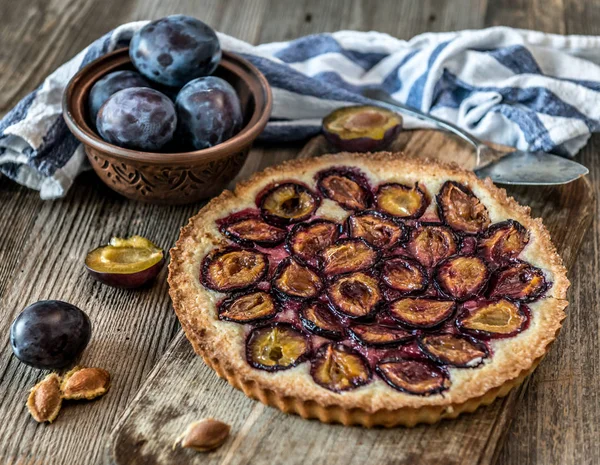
(527, 89)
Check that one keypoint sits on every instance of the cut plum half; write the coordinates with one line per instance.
(288, 203)
(307, 240)
(250, 307)
(127, 263)
(431, 243)
(421, 313)
(253, 230)
(462, 277)
(401, 201)
(347, 188)
(503, 241)
(339, 368)
(355, 295)
(378, 229)
(362, 128)
(377, 335)
(419, 377)
(232, 269)
(518, 281)
(453, 349)
(276, 347)
(319, 320)
(493, 319)
(404, 275)
(460, 209)
(348, 255)
(296, 281)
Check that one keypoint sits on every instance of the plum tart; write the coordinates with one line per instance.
(368, 289)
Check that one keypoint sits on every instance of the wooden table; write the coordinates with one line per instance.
(42, 244)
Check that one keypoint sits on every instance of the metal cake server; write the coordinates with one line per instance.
(516, 167)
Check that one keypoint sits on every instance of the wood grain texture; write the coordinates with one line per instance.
(181, 389)
(42, 244)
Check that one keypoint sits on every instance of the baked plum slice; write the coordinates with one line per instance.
(401, 201)
(377, 335)
(378, 229)
(288, 203)
(349, 189)
(431, 243)
(362, 128)
(460, 209)
(518, 281)
(307, 240)
(348, 255)
(294, 280)
(249, 307)
(339, 368)
(276, 347)
(453, 349)
(461, 277)
(503, 241)
(252, 230)
(127, 263)
(404, 275)
(421, 313)
(493, 319)
(319, 320)
(355, 295)
(233, 269)
(419, 377)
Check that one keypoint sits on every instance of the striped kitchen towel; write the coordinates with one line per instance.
(527, 89)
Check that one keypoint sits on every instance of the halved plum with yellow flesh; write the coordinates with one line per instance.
(127, 263)
(419, 377)
(461, 277)
(378, 229)
(248, 308)
(431, 243)
(253, 230)
(355, 295)
(404, 275)
(288, 203)
(493, 319)
(503, 241)
(453, 349)
(376, 335)
(276, 347)
(319, 320)
(348, 255)
(460, 209)
(232, 269)
(421, 313)
(339, 368)
(306, 241)
(518, 281)
(401, 201)
(296, 281)
(349, 189)
(363, 128)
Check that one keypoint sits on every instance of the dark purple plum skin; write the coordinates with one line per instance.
(175, 49)
(137, 118)
(50, 334)
(209, 112)
(111, 84)
(127, 281)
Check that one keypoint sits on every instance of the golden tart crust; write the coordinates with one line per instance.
(222, 343)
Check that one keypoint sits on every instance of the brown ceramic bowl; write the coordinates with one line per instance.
(169, 178)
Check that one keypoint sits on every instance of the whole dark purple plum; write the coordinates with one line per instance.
(174, 50)
(110, 84)
(209, 112)
(50, 334)
(137, 118)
